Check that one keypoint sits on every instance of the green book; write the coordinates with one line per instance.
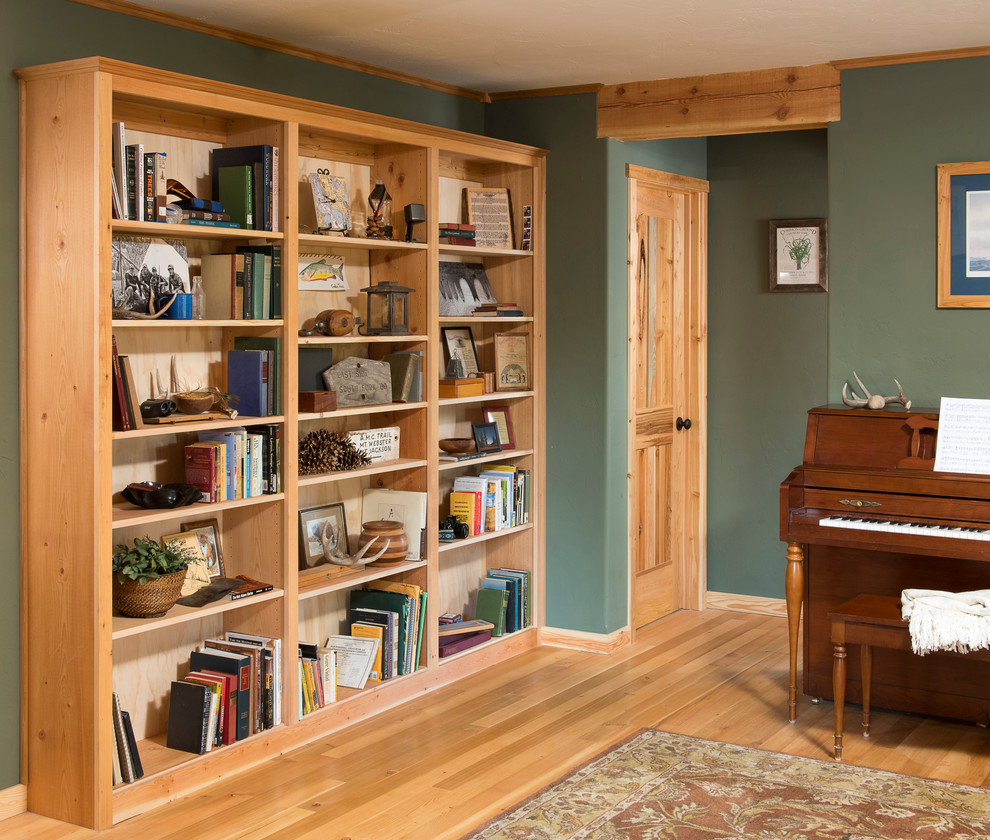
(491, 607)
(236, 194)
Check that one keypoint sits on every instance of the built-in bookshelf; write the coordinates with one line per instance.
(76, 652)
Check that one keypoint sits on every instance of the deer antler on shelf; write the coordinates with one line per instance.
(330, 540)
(874, 401)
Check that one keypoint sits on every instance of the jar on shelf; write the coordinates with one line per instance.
(198, 299)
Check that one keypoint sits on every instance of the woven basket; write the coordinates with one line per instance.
(147, 600)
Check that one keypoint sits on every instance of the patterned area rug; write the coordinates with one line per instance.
(658, 785)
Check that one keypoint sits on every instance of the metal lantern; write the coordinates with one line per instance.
(388, 309)
(379, 224)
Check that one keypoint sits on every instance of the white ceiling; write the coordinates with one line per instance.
(502, 45)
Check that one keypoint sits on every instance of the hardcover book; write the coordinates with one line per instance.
(223, 286)
(189, 707)
(239, 666)
(236, 194)
(247, 379)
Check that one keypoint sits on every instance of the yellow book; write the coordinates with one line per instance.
(372, 631)
(462, 506)
(307, 698)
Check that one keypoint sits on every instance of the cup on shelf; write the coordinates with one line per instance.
(181, 310)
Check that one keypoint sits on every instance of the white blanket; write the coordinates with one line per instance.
(953, 621)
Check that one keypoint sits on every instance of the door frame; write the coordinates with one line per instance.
(691, 380)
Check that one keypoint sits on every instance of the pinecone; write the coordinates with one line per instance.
(325, 451)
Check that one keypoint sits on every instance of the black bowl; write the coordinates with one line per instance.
(151, 494)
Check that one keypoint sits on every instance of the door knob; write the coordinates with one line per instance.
(682, 423)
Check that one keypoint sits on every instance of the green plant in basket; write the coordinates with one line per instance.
(147, 560)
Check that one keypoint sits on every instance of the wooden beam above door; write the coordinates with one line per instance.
(781, 99)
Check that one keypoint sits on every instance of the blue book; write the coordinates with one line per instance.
(247, 379)
(229, 439)
(204, 204)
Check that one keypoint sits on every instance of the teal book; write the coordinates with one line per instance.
(274, 291)
(236, 194)
(491, 607)
(393, 602)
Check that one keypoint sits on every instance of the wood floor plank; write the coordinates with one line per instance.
(436, 767)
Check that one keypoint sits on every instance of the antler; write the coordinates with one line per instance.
(330, 540)
(874, 401)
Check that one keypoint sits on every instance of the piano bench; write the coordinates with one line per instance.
(869, 621)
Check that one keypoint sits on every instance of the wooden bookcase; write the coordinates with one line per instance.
(75, 651)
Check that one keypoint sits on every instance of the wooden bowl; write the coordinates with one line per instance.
(457, 446)
(385, 529)
(193, 403)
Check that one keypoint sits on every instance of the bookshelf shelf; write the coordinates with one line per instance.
(490, 646)
(379, 467)
(71, 113)
(349, 578)
(467, 542)
(504, 455)
(485, 319)
(358, 412)
(126, 515)
(124, 627)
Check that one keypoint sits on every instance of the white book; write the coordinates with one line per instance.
(355, 659)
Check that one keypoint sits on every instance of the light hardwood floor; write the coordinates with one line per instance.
(442, 764)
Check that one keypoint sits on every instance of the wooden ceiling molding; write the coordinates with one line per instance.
(781, 99)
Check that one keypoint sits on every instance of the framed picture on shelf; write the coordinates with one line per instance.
(488, 210)
(798, 251)
(964, 235)
(486, 438)
(202, 541)
(463, 287)
(499, 415)
(458, 343)
(311, 524)
(512, 362)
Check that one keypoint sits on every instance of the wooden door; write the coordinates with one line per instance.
(667, 359)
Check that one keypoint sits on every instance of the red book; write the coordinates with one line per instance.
(223, 681)
(120, 422)
(201, 469)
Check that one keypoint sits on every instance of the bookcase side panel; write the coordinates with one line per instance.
(65, 452)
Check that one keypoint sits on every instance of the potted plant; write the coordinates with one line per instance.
(148, 577)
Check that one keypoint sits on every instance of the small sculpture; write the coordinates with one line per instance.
(874, 401)
(330, 540)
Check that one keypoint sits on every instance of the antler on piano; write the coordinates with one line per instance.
(871, 400)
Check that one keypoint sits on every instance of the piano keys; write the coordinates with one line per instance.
(866, 514)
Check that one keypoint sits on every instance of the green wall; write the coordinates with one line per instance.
(587, 206)
(767, 352)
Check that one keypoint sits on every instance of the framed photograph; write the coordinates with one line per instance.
(463, 286)
(964, 235)
(458, 343)
(512, 362)
(486, 438)
(311, 523)
(202, 540)
(488, 210)
(499, 415)
(798, 256)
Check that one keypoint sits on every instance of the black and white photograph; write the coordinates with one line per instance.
(144, 270)
(458, 344)
(463, 286)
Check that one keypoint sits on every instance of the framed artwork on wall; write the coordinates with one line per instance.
(798, 255)
(963, 235)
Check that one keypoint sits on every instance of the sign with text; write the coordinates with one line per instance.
(378, 444)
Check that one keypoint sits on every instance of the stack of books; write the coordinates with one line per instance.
(126, 760)
(453, 233)
(504, 310)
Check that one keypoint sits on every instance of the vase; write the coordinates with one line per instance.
(385, 529)
(151, 599)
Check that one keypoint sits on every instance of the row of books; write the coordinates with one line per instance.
(235, 463)
(244, 285)
(245, 182)
(126, 759)
(253, 378)
(504, 599)
(317, 677)
(392, 614)
(139, 183)
(126, 410)
(496, 499)
(233, 690)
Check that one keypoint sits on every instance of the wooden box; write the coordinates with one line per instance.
(471, 387)
(317, 401)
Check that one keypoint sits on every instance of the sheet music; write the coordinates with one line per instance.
(963, 436)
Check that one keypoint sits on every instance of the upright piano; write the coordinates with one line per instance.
(866, 513)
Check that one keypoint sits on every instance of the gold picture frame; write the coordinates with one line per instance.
(963, 191)
(512, 362)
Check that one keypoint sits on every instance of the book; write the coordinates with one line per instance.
(450, 645)
(388, 650)
(391, 602)
(246, 157)
(212, 223)
(135, 181)
(203, 204)
(404, 367)
(232, 469)
(327, 659)
(511, 588)
(133, 403)
(119, 166)
(189, 706)
(355, 657)
(367, 630)
(462, 506)
(272, 293)
(417, 603)
(210, 660)
(479, 487)
(247, 379)
(405, 506)
(178, 215)
(249, 587)
(123, 747)
(156, 184)
(203, 472)
(274, 644)
(256, 682)
(228, 705)
(223, 286)
(236, 194)
(491, 607)
(214, 735)
(120, 416)
(459, 628)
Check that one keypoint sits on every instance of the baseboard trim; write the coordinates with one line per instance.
(13, 801)
(590, 642)
(746, 603)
